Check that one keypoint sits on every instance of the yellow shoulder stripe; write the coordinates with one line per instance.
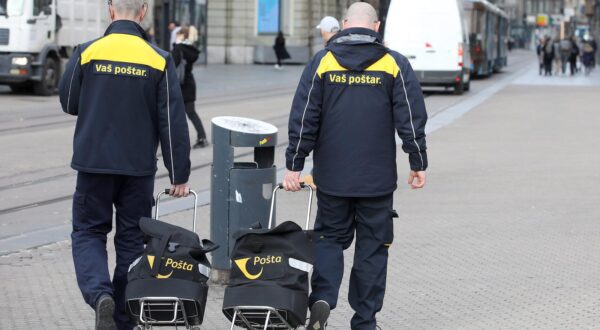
(329, 63)
(385, 64)
(123, 48)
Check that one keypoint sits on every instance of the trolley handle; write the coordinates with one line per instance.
(309, 208)
(168, 191)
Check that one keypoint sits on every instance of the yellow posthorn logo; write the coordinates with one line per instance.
(241, 263)
(182, 265)
(258, 260)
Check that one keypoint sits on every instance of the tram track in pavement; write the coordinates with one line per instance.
(211, 100)
(48, 179)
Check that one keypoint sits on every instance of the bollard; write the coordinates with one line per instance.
(240, 193)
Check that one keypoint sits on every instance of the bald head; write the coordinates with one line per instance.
(133, 10)
(361, 14)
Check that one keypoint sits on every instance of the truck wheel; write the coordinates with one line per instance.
(467, 86)
(49, 80)
(459, 88)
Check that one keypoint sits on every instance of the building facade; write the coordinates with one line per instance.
(243, 31)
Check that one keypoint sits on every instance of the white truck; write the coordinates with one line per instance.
(37, 35)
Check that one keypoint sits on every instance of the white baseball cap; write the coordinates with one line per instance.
(329, 24)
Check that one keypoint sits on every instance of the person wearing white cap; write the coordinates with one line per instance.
(329, 26)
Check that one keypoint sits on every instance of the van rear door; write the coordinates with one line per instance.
(428, 33)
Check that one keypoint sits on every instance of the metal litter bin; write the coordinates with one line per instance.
(240, 191)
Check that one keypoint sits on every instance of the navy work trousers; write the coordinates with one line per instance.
(93, 203)
(338, 219)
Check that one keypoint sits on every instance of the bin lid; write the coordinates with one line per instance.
(244, 125)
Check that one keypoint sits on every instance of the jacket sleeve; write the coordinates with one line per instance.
(70, 84)
(410, 115)
(176, 55)
(303, 127)
(172, 126)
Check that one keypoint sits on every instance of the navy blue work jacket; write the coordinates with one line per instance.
(352, 98)
(127, 97)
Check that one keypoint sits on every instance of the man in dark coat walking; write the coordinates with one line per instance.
(352, 99)
(126, 96)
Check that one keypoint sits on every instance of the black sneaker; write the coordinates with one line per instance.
(319, 313)
(105, 308)
(201, 143)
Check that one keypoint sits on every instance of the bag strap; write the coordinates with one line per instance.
(164, 241)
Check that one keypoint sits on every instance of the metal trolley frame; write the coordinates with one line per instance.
(265, 317)
(163, 305)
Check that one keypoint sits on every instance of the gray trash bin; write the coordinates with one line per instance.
(240, 191)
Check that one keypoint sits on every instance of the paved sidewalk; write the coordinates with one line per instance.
(505, 235)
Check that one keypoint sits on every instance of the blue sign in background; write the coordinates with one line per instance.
(268, 16)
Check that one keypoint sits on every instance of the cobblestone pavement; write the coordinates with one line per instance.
(505, 236)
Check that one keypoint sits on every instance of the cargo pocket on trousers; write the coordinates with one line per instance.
(389, 228)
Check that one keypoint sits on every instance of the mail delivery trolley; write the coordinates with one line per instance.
(167, 285)
(269, 280)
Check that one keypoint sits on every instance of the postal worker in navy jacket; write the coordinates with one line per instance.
(126, 96)
(352, 98)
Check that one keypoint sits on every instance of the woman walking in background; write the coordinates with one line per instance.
(185, 53)
(280, 51)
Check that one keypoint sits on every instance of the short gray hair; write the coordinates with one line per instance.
(128, 7)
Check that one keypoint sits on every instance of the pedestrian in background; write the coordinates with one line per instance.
(573, 56)
(151, 34)
(557, 63)
(540, 55)
(352, 98)
(566, 48)
(549, 54)
(126, 96)
(173, 28)
(595, 48)
(588, 57)
(328, 27)
(280, 51)
(185, 53)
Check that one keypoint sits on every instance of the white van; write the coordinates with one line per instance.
(434, 37)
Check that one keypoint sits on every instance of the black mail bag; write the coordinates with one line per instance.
(270, 267)
(174, 264)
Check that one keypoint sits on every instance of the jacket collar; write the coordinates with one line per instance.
(126, 27)
(356, 35)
